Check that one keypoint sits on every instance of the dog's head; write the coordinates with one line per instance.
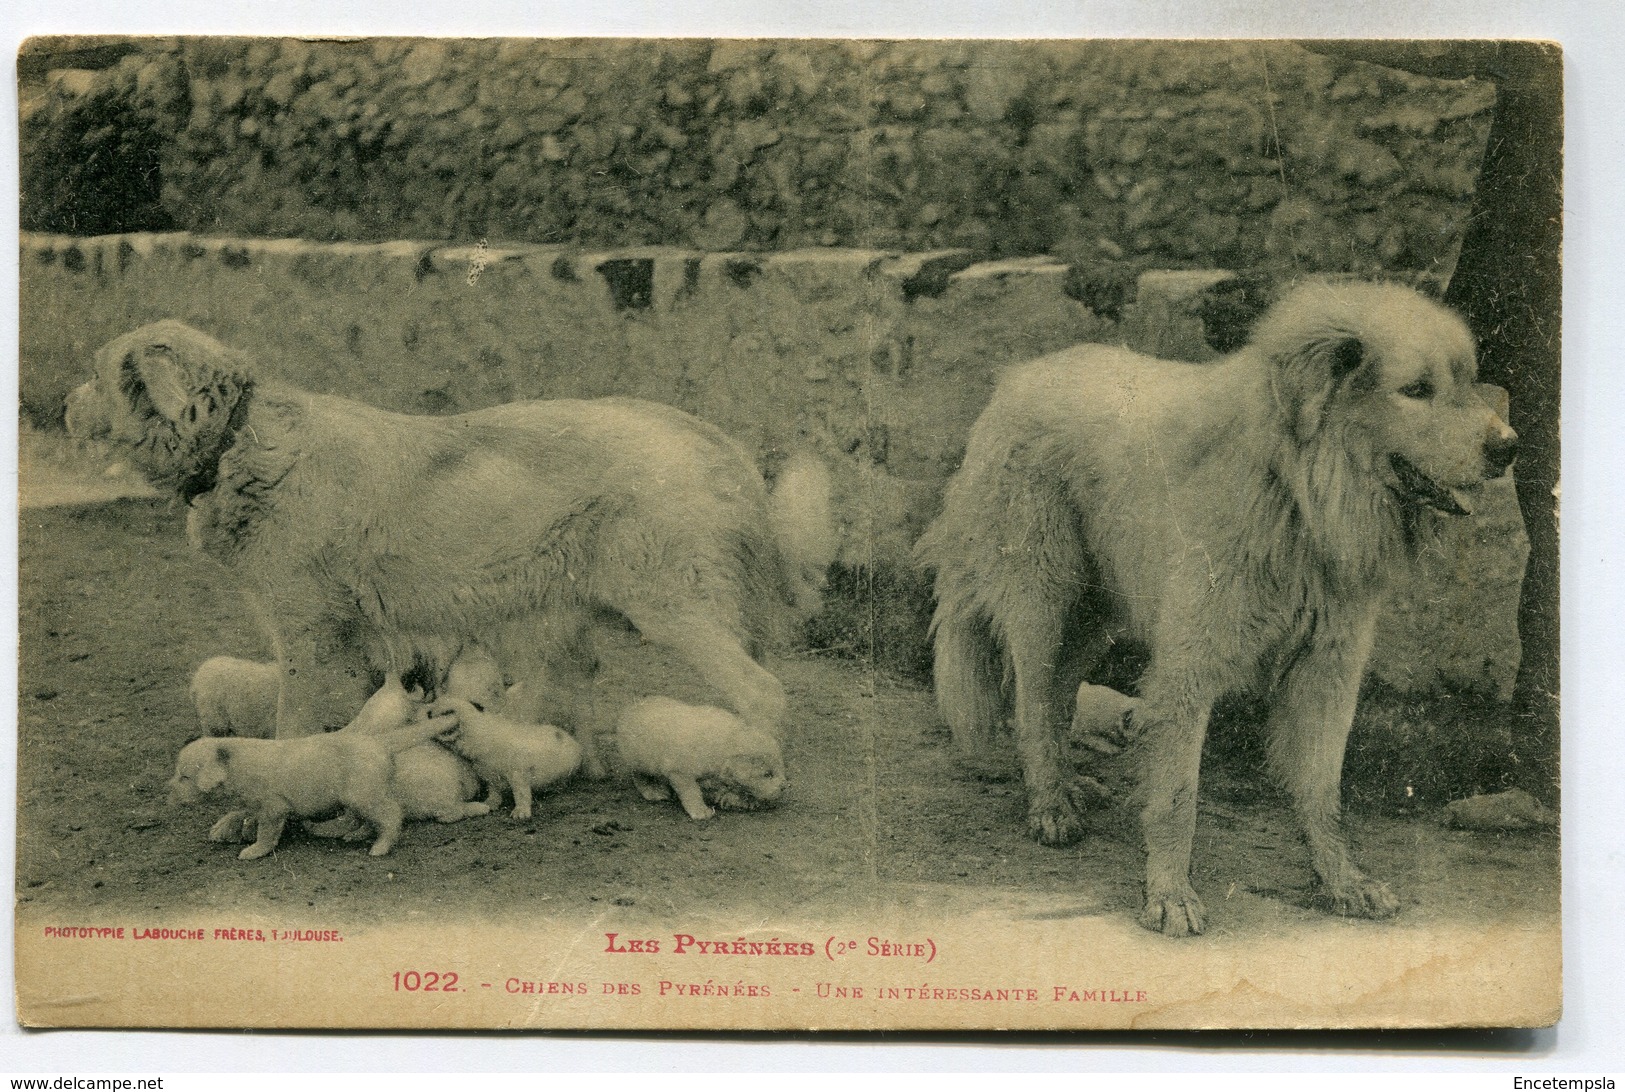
(173, 396)
(200, 770)
(1391, 378)
(476, 677)
(758, 769)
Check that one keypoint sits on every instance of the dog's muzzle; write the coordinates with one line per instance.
(1499, 454)
(83, 414)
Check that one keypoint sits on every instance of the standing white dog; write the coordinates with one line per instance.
(304, 777)
(1242, 518)
(521, 758)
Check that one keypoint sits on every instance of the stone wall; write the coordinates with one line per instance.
(877, 361)
(1232, 155)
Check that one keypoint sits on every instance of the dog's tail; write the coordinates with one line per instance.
(803, 518)
(968, 662)
(969, 679)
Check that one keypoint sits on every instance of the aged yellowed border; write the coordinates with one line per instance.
(987, 973)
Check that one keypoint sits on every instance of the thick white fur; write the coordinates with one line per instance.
(508, 755)
(1242, 518)
(369, 539)
(300, 777)
(236, 697)
(430, 781)
(693, 747)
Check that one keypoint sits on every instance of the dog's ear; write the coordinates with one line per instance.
(159, 370)
(212, 774)
(1344, 357)
(180, 375)
(1306, 377)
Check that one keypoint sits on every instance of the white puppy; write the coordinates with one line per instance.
(475, 676)
(507, 754)
(1102, 718)
(236, 697)
(430, 781)
(302, 777)
(694, 748)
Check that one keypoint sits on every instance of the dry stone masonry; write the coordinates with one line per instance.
(1222, 154)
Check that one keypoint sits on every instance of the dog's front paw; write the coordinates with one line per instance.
(1056, 824)
(254, 852)
(1362, 897)
(1174, 913)
(234, 826)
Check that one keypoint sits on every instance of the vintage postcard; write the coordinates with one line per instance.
(788, 534)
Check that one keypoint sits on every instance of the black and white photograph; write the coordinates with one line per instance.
(789, 533)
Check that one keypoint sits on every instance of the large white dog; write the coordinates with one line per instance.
(1242, 518)
(375, 541)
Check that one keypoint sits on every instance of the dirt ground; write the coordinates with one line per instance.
(116, 611)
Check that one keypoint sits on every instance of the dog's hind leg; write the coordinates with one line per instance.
(1033, 635)
(520, 780)
(234, 826)
(386, 817)
(651, 788)
(1027, 579)
(747, 687)
(1309, 727)
(343, 827)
